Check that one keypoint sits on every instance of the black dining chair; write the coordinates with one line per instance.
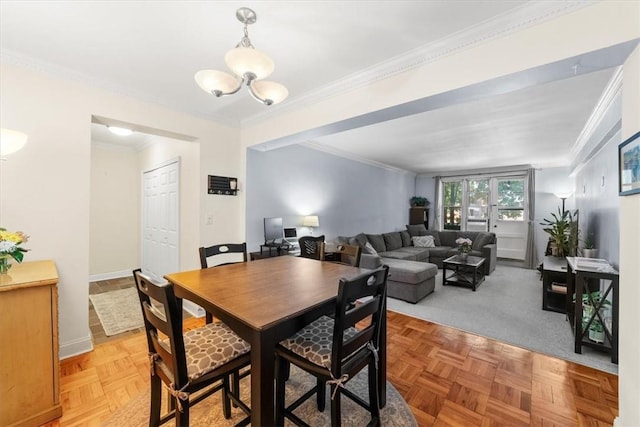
(334, 350)
(187, 363)
(310, 246)
(219, 251)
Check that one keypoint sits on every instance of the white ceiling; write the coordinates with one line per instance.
(151, 50)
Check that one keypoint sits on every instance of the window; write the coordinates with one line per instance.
(477, 204)
(452, 204)
(511, 199)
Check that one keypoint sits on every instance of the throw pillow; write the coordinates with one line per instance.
(368, 248)
(417, 230)
(423, 242)
(406, 238)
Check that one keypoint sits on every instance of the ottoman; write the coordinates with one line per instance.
(410, 280)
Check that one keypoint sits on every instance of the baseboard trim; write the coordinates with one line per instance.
(76, 347)
(111, 275)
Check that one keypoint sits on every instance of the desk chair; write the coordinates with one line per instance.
(216, 250)
(335, 350)
(346, 254)
(201, 358)
(310, 246)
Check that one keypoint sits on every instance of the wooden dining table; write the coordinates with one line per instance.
(264, 302)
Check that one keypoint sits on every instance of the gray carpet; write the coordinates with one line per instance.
(507, 307)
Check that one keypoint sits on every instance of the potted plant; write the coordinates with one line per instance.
(558, 229)
(589, 304)
(417, 201)
(589, 251)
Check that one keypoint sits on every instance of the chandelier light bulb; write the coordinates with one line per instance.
(269, 92)
(245, 61)
(249, 67)
(217, 82)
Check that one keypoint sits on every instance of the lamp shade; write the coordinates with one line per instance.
(563, 195)
(269, 92)
(216, 82)
(11, 141)
(244, 60)
(311, 221)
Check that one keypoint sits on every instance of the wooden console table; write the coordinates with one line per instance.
(554, 284)
(29, 362)
(584, 275)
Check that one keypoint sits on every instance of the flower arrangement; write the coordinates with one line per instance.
(464, 245)
(10, 242)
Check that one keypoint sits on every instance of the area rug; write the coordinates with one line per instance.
(507, 307)
(209, 412)
(119, 311)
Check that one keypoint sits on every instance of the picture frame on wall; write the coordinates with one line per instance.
(629, 165)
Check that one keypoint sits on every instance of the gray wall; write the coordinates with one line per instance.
(348, 196)
(598, 201)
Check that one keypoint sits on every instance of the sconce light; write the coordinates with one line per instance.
(311, 221)
(11, 141)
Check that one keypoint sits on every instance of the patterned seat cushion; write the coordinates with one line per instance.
(210, 347)
(315, 341)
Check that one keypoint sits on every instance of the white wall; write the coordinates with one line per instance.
(114, 244)
(45, 188)
(629, 386)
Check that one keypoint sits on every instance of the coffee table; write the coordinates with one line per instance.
(463, 272)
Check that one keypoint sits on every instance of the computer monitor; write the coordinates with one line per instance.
(273, 232)
(290, 232)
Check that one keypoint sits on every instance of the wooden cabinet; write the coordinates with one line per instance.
(29, 362)
(554, 284)
(419, 215)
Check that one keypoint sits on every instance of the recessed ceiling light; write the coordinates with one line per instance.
(120, 131)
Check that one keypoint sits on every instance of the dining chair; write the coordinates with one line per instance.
(310, 246)
(187, 363)
(220, 251)
(344, 254)
(335, 350)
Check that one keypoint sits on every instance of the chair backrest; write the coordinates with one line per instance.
(346, 254)
(164, 316)
(225, 248)
(310, 246)
(370, 289)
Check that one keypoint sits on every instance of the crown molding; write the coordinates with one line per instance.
(8, 56)
(349, 156)
(528, 15)
(608, 97)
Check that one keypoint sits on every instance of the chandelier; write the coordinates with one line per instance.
(249, 67)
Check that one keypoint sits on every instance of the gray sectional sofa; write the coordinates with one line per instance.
(412, 269)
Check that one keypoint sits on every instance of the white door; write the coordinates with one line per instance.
(510, 216)
(160, 220)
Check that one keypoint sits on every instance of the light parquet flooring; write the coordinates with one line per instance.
(448, 378)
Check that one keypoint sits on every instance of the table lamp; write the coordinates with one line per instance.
(311, 221)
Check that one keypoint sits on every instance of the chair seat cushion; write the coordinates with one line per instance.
(210, 347)
(315, 341)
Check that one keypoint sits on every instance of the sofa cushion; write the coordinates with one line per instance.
(440, 252)
(368, 249)
(357, 240)
(406, 238)
(421, 254)
(448, 238)
(377, 241)
(417, 230)
(410, 271)
(370, 261)
(423, 241)
(392, 241)
(481, 240)
(398, 255)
